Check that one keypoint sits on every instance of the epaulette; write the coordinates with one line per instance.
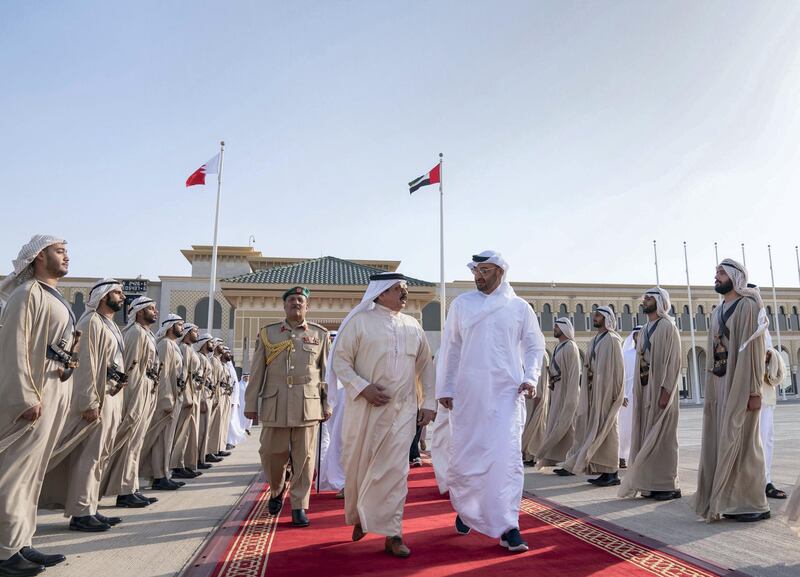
(323, 329)
(272, 324)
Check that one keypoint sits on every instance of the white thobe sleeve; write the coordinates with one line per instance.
(449, 356)
(532, 347)
(344, 360)
(427, 372)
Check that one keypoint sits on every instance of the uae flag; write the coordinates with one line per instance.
(199, 175)
(431, 178)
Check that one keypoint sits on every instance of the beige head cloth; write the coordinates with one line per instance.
(22, 264)
(565, 325)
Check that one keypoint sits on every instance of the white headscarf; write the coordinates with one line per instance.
(500, 297)
(138, 304)
(201, 341)
(663, 303)
(610, 316)
(167, 324)
(738, 274)
(629, 344)
(26, 256)
(98, 291)
(566, 327)
(374, 290)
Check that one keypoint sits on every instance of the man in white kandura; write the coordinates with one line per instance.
(491, 353)
(378, 356)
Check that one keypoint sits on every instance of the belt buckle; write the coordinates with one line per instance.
(289, 380)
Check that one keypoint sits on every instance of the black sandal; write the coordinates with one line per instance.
(774, 493)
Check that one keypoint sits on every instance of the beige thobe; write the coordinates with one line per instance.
(158, 441)
(138, 400)
(732, 477)
(596, 447)
(215, 417)
(78, 461)
(205, 396)
(390, 349)
(533, 434)
(564, 376)
(653, 461)
(184, 447)
(34, 317)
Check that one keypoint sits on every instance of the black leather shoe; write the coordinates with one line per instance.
(131, 501)
(164, 484)
(665, 495)
(213, 459)
(601, 479)
(19, 566)
(563, 473)
(749, 517)
(88, 524)
(204, 466)
(611, 480)
(108, 520)
(183, 474)
(222, 454)
(144, 497)
(275, 503)
(299, 518)
(35, 556)
(229, 447)
(461, 527)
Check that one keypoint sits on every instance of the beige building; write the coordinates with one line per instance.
(249, 291)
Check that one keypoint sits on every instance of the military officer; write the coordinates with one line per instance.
(288, 382)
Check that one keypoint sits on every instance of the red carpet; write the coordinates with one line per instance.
(563, 544)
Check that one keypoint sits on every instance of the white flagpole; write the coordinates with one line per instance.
(655, 253)
(716, 264)
(775, 313)
(695, 378)
(442, 298)
(744, 257)
(213, 277)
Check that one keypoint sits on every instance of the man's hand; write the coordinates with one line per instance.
(527, 388)
(33, 413)
(325, 415)
(425, 416)
(90, 415)
(625, 402)
(754, 403)
(252, 415)
(663, 399)
(447, 403)
(376, 395)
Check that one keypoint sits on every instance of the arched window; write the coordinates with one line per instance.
(201, 314)
(794, 320)
(782, 319)
(641, 318)
(431, 319)
(562, 311)
(580, 318)
(700, 319)
(231, 317)
(626, 318)
(181, 312)
(547, 318)
(78, 307)
(686, 318)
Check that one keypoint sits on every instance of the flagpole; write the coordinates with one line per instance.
(775, 314)
(655, 253)
(744, 257)
(213, 277)
(442, 298)
(695, 378)
(716, 264)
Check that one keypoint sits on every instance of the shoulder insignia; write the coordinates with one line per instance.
(316, 326)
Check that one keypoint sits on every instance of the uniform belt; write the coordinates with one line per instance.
(290, 380)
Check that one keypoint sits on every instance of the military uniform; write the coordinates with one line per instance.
(287, 380)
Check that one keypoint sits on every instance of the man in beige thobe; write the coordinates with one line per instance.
(289, 366)
(536, 413)
(204, 347)
(732, 477)
(138, 401)
(184, 447)
(158, 442)
(378, 354)
(564, 375)
(596, 447)
(653, 461)
(36, 335)
(79, 460)
(218, 378)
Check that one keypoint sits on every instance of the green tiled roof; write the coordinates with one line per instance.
(327, 270)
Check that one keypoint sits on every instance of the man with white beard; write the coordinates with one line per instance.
(491, 353)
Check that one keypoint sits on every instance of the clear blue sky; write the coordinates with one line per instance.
(574, 133)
